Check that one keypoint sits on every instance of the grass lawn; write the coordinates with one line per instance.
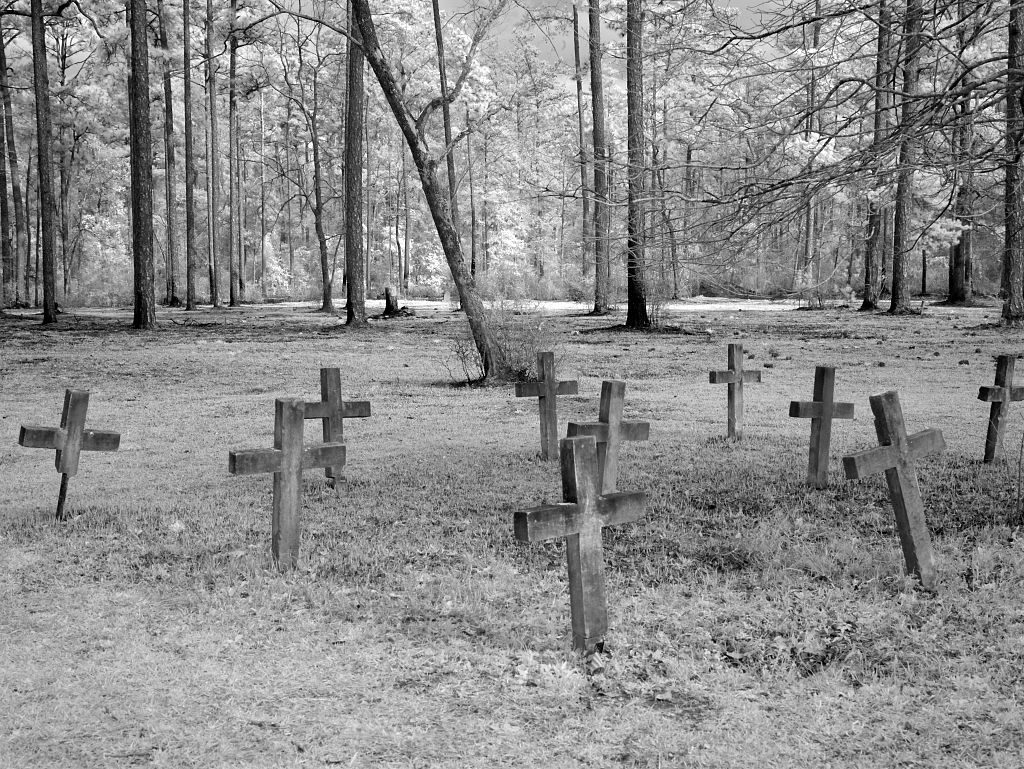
(755, 622)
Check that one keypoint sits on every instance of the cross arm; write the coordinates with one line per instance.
(997, 394)
(35, 437)
(816, 409)
(100, 440)
(722, 377)
(629, 431)
(752, 376)
(570, 387)
(547, 522)
(621, 507)
(527, 389)
(255, 461)
(882, 458)
(349, 410)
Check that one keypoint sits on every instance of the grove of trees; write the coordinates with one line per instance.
(215, 151)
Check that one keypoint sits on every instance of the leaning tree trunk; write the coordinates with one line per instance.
(636, 294)
(44, 146)
(141, 141)
(435, 195)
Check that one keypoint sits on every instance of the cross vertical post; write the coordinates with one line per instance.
(609, 431)
(333, 410)
(286, 461)
(69, 440)
(735, 377)
(546, 389)
(579, 519)
(821, 410)
(896, 456)
(1000, 396)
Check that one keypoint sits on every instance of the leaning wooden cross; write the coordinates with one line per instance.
(821, 411)
(735, 377)
(580, 519)
(896, 456)
(286, 461)
(1000, 396)
(70, 439)
(546, 389)
(609, 431)
(333, 410)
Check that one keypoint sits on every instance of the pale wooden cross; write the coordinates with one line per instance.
(1000, 396)
(609, 431)
(735, 377)
(333, 410)
(896, 456)
(546, 389)
(286, 461)
(821, 410)
(580, 519)
(70, 440)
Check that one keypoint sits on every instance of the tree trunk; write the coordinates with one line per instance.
(960, 288)
(44, 146)
(602, 222)
(446, 119)
(21, 232)
(586, 249)
(355, 309)
(212, 166)
(6, 252)
(191, 173)
(141, 141)
(1013, 256)
(234, 246)
(907, 162)
(170, 198)
(636, 293)
(472, 305)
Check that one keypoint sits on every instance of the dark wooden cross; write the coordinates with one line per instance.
(333, 410)
(821, 411)
(896, 456)
(735, 377)
(546, 389)
(1000, 396)
(609, 431)
(286, 461)
(580, 519)
(70, 440)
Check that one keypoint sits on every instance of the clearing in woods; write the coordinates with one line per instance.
(753, 621)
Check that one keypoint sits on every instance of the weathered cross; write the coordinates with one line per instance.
(1000, 396)
(70, 440)
(821, 411)
(609, 431)
(735, 377)
(546, 388)
(286, 461)
(580, 519)
(333, 410)
(896, 456)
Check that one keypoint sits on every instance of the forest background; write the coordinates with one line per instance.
(820, 149)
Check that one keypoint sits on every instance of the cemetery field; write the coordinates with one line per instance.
(754, 621)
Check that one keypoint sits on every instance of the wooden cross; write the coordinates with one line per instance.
(735, 377)
(333, 410)
(609, 431)
(70, 440)
(896, 456)
(546, 388)
(580, 519)
(1000, 396)
(821, 411)
(286, 461)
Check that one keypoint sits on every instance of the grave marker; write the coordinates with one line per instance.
(821, 410)
(896, 456)
(286, 461)
(1000, 396)
(735, 377)
(333, 410)
(580, 519)
(609, 431)
(546, 389)
(70, 439)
